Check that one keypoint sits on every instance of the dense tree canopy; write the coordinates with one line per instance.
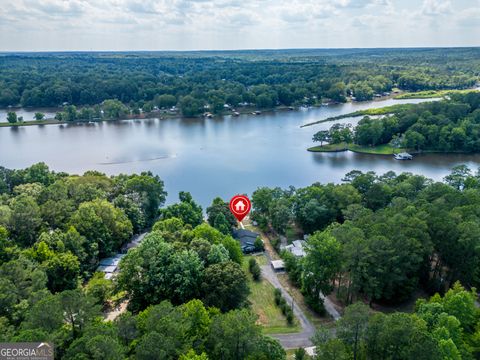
(379, 238)
(440, 328)
(450, 125)
(108, 82)
(50, 292)
(374, 239)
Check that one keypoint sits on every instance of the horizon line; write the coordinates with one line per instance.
(246, 49)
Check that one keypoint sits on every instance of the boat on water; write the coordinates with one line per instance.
(403, 156)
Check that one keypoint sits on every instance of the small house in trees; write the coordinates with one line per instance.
(297, 248)
(246, 238)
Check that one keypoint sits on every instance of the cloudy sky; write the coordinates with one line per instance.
(37, 25)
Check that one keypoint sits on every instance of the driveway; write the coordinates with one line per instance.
(294, 340)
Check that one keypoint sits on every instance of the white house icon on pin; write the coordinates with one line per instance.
(240, 206)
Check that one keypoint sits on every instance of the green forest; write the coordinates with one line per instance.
(196, 81)
(378, 240)
(442, 327)
(185, 286)
(450, 125)
(373, 240)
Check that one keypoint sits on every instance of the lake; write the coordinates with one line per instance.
(211, 157)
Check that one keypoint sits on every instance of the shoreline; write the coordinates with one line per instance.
(164, 116)
(433, 95)
(380, 150)
(387, 110)
(147, 116)
(382, 111)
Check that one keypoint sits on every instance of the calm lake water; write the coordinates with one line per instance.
(211, 157)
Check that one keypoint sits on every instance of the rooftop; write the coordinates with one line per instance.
(240, 233)
(278, 264)
(245, 237)
(296, 248)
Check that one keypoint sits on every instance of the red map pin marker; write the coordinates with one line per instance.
(240, 206)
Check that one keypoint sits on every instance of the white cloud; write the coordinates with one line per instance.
(216, 24)
(436, 7)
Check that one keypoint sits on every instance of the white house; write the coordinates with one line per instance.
(296, 248)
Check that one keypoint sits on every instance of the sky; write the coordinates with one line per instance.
(122, 25)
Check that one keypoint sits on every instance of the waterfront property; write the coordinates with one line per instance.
(270, 151)
(247, 239)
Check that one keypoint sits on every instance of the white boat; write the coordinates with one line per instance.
(403, 156)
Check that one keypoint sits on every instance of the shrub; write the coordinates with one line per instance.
(258, 244)
(276, 244)
(251, 263)
(256, 273)
(315, 304)
(277, 293)
(284, 306)
(301, 354)
(290, 317)
(254, 269)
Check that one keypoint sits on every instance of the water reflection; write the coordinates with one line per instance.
(209, 157)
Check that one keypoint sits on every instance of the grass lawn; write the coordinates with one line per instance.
(262, 302)
(384, 149)
(290, 354)
(386, 110)
(293, 233)
(30, 122)
(329, 148)
(430, 94)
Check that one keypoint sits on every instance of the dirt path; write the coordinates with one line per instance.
(117, 311)
(122, 307)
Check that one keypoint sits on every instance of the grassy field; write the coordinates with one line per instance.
(262, 302)
(386, 110)
(384, 149)
(430, 94)
(30, 123)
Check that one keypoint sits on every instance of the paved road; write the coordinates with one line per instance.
(294, 340)
(330, 308)
(301, 339)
